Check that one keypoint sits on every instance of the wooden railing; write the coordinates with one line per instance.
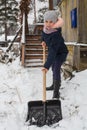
(23, 40)
(14, 39)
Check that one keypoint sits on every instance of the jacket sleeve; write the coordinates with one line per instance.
(53, 51)
(50, 58)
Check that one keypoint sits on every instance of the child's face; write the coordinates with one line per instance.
(48, 24)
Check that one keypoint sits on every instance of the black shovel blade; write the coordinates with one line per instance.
(37, 112)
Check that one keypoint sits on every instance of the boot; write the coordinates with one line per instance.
(57, 85)
(50, 87)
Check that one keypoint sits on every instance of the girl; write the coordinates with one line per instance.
(57, 50)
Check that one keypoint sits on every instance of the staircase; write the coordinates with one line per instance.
(33, 56)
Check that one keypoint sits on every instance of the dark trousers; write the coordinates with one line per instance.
(56, 66)
(56, 70)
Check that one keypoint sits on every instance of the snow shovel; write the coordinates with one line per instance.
(44, 112)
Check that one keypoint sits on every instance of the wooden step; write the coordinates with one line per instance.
(33, 41)
(34, 63)
(34, 57)
(33, 37)
(28, 56)
(33, 51)
(33, 46)
(38, 56)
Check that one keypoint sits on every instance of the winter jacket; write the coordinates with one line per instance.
(56, 47)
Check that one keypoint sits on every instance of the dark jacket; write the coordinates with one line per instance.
(56, 47)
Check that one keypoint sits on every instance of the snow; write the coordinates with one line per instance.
(39, 5)
(19, 85)
(75, 44)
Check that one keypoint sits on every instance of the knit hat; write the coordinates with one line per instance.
(51, 15)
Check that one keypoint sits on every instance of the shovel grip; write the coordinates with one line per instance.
(44, 75)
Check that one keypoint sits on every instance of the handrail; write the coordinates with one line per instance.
(23, 40)
(9, 47)
(23, 30)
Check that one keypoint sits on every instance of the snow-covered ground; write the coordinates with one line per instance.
(19, 85)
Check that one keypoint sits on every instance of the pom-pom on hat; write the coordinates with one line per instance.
(51, 15)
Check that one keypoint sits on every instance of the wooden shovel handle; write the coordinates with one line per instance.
(44, 75)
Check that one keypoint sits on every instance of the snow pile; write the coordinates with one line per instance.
(19, 85)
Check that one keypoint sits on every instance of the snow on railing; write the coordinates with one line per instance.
(75, 44)
(23, 30)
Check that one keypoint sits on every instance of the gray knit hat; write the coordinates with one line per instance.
(51, 15)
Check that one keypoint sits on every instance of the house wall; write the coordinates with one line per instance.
(69, 33)
(78, 34)
(82, 21)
